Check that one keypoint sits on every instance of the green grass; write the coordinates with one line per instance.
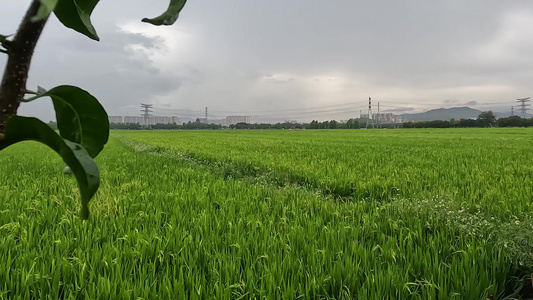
(377, 214)
(481, 167)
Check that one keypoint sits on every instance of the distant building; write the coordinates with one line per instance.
(387, 118)
(221, 122)
(151, 120)
(232, 120)
(133, 119)
(384, 118)
(226, 122)
(115, 119)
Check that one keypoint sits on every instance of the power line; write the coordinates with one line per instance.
(399, 105)
(344, 112)
(267, 112)
(290, 109)
(307, 112)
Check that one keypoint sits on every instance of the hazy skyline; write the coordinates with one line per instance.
(293, 59)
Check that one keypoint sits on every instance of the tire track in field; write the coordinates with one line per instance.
(252, 173)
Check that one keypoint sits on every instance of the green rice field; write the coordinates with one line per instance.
(275, 214)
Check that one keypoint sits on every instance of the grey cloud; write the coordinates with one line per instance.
(260, 55)
(449, 101)
(399, 110)
(111, 70)
(473, 103)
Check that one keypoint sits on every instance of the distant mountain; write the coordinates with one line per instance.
(444, 114)
(502, 114)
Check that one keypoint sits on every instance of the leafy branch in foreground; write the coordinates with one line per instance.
(82, 121)
(83, 166)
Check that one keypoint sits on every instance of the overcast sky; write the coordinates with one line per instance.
(290, 59)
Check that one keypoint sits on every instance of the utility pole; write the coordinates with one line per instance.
(523, 106)
(370, 120)
(146, 112)
(378, 117)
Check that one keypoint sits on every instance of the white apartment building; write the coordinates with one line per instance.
(388, 118)
(115, 119)
(133, 119)
(232, 120)
(152, 120)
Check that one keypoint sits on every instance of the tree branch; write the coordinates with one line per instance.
(13, 85)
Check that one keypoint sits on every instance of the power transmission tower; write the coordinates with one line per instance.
(523, 106)
(512, 110)
(146, 112)
(206, 115)
(370, 120)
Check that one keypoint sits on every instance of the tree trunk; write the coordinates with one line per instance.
(20, 52)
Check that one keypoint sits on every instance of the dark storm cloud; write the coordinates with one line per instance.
(114, 70)
(111, 70)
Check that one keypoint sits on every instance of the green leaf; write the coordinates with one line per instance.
(76, 14)
(80, 117)
(170, 16)
(4, 42)
(3, 38)
(47, 6)
(74, 155)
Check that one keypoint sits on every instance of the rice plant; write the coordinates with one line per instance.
(269, 215)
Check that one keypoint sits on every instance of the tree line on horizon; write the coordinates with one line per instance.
(485, 119)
